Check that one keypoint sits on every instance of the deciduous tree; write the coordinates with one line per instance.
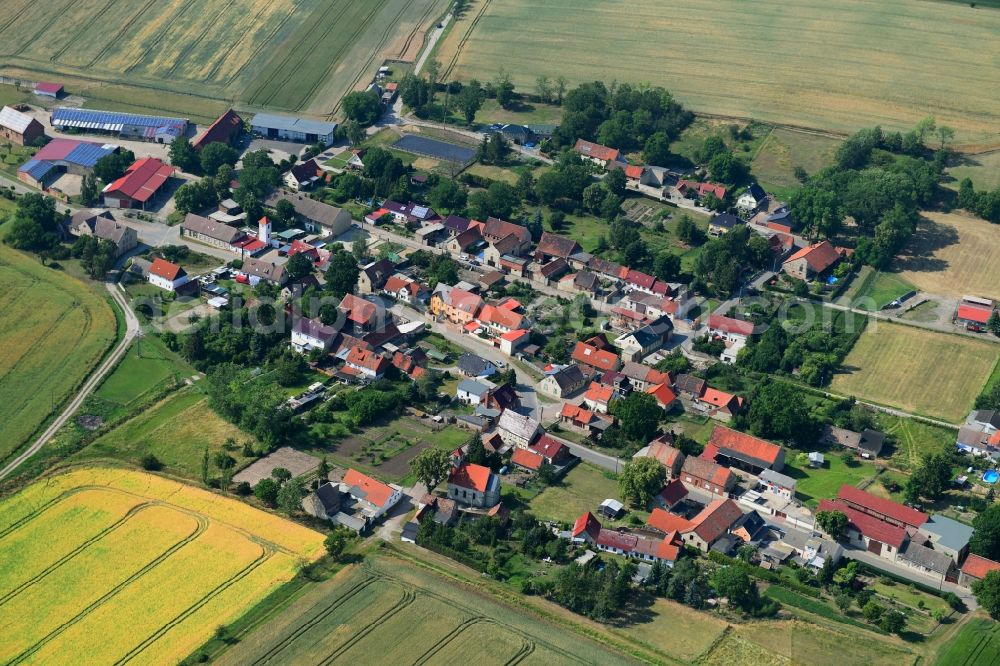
(640, 480)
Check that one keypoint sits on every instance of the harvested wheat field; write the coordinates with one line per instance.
(953, 254)
(830, 64)
(916, 370)
(53, 330)
(124, 566)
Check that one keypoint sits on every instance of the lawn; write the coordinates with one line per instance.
(983, 170)
(902, 593)
(10, 95)
(952, 254)
(526, 114)
(12, 157)
(914, 439)
(176, 430)
(977, 644)
(814, 485)
(147, 367)
(404, 612)
(191, 54)
(838, 66)
(879, 290)
(53, 331)
(917, 370)
(783, 150)
(116, 539)
(582, 489)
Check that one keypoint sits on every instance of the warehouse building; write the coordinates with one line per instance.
(158, 129)
(61, 156)
(139, 185)
(19, 128)
(292, 128)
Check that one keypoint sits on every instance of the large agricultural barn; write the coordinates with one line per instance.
(139, 185)
(126, 125)
(61, 156)
(292, 128)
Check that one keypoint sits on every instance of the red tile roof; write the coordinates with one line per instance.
(702, 188)
(894, 510)
(599, 394)
(469, 475)
(142, 179)
(748, 445)
(614, 539)
(820, 256)
(586, 524)
(166, 270)
(663, 394)
(978, 567)
(595, 150)
(673, 492)
(974, 313)
(376, 492)
(640, 279)
(221, 131)
(633, 171)
(715, 519)
(515, 335)
(730, 325)
(549, 448)
(367, 359)
(668, 550)
(668, 522)
(871, 527)
(358, 310)
(706, 470)
(396, 283)
(465, 301)
(720, 399)
(490, 314)
(666, 454)
(571, 411)
(527, 459)
(594, 357)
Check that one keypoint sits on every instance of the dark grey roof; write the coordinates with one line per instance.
(726, 221)
(690, 384)
(757, 192)
(569, 377)
(473, 365)
(990, 416)
(585, 280)
(872, 441)
(725, 544)
(329, 496)
(751, 522)
(923, 556)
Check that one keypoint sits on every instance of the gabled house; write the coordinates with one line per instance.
(563, 382)
(732, 448)
(668, 456)
(512, 341)
(721, 225)
(211, 232)
(457, 305)
(598, 154)
(552, 451)
(975, 569)
(693, 189)
(665, 396)
(751, 200)
(641, 376)
(465, 242)
(594, 359)
(362, 315)
(598, 397)
(471, 392)
(706, 475)
(405, 289)
(366, 363)
(518, 430)
(527, 460)
(583, 419)
(471, 365)
(497, 320)
(314, 215)
(689, 388)
(867, 444)
(166, 275)
(310, 334)
(719, 405)
(373, 276)
(776, 483)
(303, 175)
(705, 529)
(643, 341)
(254, 270)
(734, 333)
(473, 485)
(553, 246)
(103, 225)
(812, 261)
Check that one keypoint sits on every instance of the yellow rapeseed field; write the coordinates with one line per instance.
(142, 569)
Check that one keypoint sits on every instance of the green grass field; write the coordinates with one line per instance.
(878, 290)
(831, 65)
(139, 374)
(977, 644)
(816, 484)
(783, 150)
(86, 556)
(917, 370)
(914, 439)
(53, 330)
(983, 170)
(198, 54)
(406, 613)
(176, 430)
(582, 489)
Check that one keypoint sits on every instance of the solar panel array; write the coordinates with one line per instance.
(112, 121)
(87, 154)
(36, 169)
(420, 145)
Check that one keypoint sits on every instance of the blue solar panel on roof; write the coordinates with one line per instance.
(109, 118)
(434, 148)
(36, 169)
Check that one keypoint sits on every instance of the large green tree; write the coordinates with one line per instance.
(640, 480)
(987, 593)
(638, 416)
(431, 466)
(985, 539)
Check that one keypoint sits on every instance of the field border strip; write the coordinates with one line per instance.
(409, 596)
(76, 551)
(107, 596)
(316, 619)
(264, 556)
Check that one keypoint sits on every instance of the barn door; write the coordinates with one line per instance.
(874, 546)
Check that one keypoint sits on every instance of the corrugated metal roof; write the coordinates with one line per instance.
(14, 119)
(293, 124)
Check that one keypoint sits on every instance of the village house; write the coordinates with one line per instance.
(303, 175)
(584, 420)
(811, 262)
(363, 315)
(499, 320)
(139, 185)
(947, 535)
(374, 275)
(563, 382)
(552, 451)
(457, 305)
(975, 569)
(777, 483)
(732, 448)
(706, 475)
(226, 129)
(410, 362)
(641, 376)
(357, 502)
(105, 227)
(581, 282)
(517, 430)
(751, 200)
(553, 246)
(254, 270)
(513, 341)
(980, 435)
(471, 392)
(598, 154)
(665, 396)
(598, 397)
(314, 215)
(668, 456)
(366, 364)
(705, 529)
(636, 544)
(166, 275)
(527, 460)
(595, 360)
(721, 225)
(210, 232)
(405, 289)
(472, 485)
(689, 388)
(471, 365)
(693, 189)
(875, 524)
(867, 444)
(641, 342)
(310, 334)
(733, 332)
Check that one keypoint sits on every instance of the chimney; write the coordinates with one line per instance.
(264, 230)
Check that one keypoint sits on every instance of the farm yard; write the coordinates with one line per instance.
(53, 331)
(85, 558)
(916, 370)
(243, 51)
(837, 65)
(407, 614)
(952, 254)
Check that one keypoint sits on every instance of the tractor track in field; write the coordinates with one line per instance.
(196, 42)
(110, 594)
(448, 638)
(94, 18)
(465, 40)
(118, 35)
(153, 43)
(264, 556)
(76, 551)
(409, 596)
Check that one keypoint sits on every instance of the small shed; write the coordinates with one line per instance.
(611, 508)
(53, 90)
(816, 459)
